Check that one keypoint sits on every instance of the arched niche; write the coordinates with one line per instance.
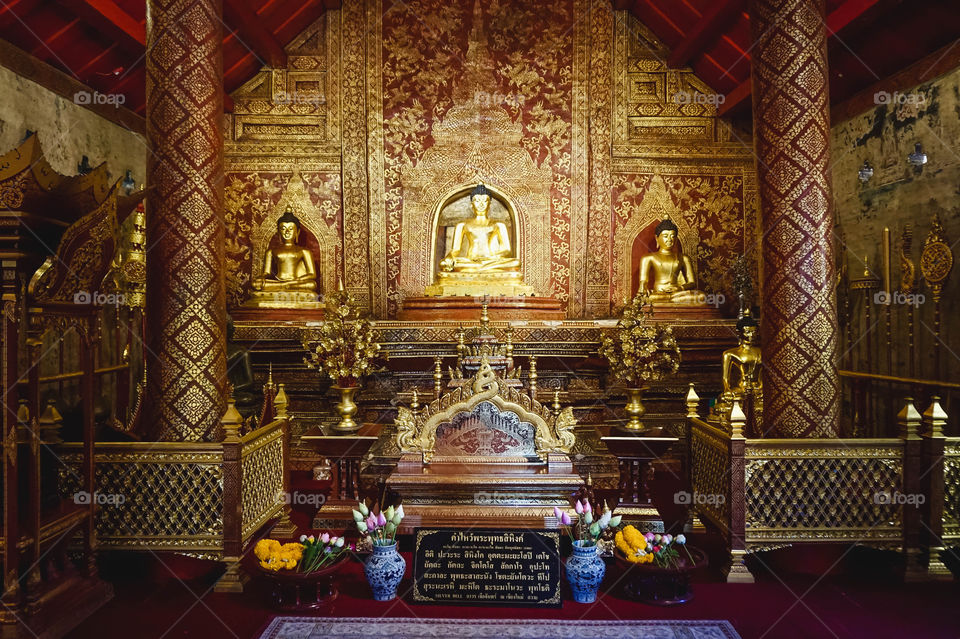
(636, 238)
(315, 235)
(454, 207)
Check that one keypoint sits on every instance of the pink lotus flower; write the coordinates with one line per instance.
(565, 519)
(556, 513)
(381, 519)
(578, 507)
(371, 522)
(648, 537)
(325, 538)
(586, 506)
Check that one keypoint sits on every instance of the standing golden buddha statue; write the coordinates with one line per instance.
(741, 371)
(288, 278)
(667, 275)
(481, 259)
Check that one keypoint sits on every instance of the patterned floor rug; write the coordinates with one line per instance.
(365, 628)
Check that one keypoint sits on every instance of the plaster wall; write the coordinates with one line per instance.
(67, 130)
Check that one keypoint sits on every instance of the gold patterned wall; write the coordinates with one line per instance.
(384, 109)
(673, 156)
(283, 149)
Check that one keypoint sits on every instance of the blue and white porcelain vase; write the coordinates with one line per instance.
(585, 570)
(384, 569)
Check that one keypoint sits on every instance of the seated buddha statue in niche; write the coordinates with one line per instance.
(667, 275)
(480, 244)
(288, 277)
(481, 259)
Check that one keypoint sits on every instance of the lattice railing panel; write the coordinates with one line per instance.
(154, 499)
(823, 493)
(951, 491)
(710, 476)
(262, 480)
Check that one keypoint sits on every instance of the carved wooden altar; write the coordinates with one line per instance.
(484, 454)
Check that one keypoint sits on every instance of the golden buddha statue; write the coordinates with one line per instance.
(480, 244)
(668, 275)
(741, 372)
(481, 260)
(288, 278)
(745, 358)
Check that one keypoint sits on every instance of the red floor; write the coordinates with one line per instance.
(860, 597)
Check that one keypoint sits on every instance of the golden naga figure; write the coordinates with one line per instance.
(481, 260)
(668, 274)
(480, 244)
(289, 277)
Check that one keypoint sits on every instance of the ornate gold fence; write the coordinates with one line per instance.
(202, 499)
(951, 491)
(901, 493)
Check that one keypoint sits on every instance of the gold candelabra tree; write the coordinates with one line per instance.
(343, 350)
(639, 352)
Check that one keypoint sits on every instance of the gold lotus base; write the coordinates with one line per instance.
(282, 299)
(492, 284)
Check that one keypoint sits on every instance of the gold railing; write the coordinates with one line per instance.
(823, 490)
(901, 493)
(951, 491)
(165, 496)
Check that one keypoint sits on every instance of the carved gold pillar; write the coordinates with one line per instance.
(801, 386)
(185, 305)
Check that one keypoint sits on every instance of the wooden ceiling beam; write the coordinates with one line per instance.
(925, 69)
(111, 20)
(14, 12)
(835, 22)
(252, 33)
(709, 27)
(66, 86)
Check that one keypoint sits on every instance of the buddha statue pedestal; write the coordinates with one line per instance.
(490, 284)
(284, 300)
(467, 308)
(678, 310)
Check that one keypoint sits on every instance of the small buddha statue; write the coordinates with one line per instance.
(745, 359)
(668, 274)
(480, 244)
(481, 260)
(741, 375)
(288, 276)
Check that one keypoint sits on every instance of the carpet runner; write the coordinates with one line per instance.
(413, 628)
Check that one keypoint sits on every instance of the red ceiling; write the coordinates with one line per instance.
(100, 42)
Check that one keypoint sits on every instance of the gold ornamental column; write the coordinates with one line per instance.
(185, 303)
(801, 387)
